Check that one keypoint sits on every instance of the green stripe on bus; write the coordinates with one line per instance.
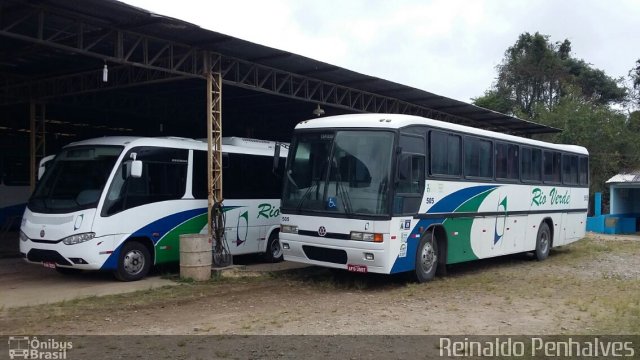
(167, 248)
(459, 246)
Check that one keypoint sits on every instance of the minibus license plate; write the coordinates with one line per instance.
(357, 268)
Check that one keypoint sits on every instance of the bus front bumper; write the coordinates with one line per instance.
(354, 256)
(89, 255)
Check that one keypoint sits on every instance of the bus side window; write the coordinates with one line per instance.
(250, 177)
(200, 177)
(164, 177)
(410, 176)
(446, 154)
(552, 161)
(584, 171)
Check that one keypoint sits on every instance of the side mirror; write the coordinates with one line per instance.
(41, 172)
(136, 168)
(44, 163)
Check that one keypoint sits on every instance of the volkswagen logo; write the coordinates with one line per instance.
(322, 231)
(41, 233)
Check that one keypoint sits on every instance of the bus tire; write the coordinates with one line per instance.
(543, 242)
(134, 262)
(426, 258)
(274, 249)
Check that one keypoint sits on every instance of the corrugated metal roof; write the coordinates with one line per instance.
(127, 17)
(632, 177)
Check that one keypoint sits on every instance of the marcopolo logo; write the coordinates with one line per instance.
(25, 347)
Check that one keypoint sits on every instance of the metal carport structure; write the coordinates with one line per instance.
(53, 54)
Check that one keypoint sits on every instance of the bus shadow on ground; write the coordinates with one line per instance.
(343, 279)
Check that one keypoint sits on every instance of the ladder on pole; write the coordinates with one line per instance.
(221, 255)
(37, 139)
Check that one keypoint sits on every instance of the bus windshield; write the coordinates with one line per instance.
(75, 179)
(343, 172)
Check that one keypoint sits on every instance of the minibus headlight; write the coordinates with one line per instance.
(365, 236)
(78, 238)
(23, 236)
(290, 229)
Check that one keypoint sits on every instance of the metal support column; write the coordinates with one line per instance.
(221, 256)
(37, 139)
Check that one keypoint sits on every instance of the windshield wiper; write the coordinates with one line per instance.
(304, 196)
(340, 191)
(291, 179)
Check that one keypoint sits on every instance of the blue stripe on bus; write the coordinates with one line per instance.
(408, 263)
(161, 227)
(448, 204)
(453, 201)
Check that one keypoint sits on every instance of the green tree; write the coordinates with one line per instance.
(534, 73)
(494, 100)
(634, 75)
(613, 141)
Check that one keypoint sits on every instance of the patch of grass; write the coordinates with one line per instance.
(603, 303)
(31, 317)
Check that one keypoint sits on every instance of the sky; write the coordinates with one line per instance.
(447, 47)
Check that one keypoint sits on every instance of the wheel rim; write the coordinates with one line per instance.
(276, 249)
(427, 258)
(544, 242)
(133, 262)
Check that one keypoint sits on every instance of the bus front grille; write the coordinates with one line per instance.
(325, 254)
(38, 255)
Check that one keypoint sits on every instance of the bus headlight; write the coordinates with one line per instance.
(364, 236)
(23, 236)
(291, 229)
(78, 238)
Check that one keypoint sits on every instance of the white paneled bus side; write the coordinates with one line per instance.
(90, 212)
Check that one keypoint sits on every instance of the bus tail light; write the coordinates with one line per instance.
(364, 236)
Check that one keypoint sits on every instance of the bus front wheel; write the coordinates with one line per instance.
(426, 258)
(543, 242)
(274, 249)
(134, 262)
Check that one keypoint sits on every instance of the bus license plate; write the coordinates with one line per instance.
(357, 268)
(48, 264)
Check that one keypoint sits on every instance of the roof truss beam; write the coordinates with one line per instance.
(147, 59)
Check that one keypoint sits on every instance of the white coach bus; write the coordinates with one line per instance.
(395, 193)
(90, 212)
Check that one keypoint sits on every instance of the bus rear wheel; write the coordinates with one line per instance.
(134, 262)
(274, 249)
(543, 242)
(426, 258)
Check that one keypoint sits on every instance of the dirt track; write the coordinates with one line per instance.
(590, 287)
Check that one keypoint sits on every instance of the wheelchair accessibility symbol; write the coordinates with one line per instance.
(332, 203)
